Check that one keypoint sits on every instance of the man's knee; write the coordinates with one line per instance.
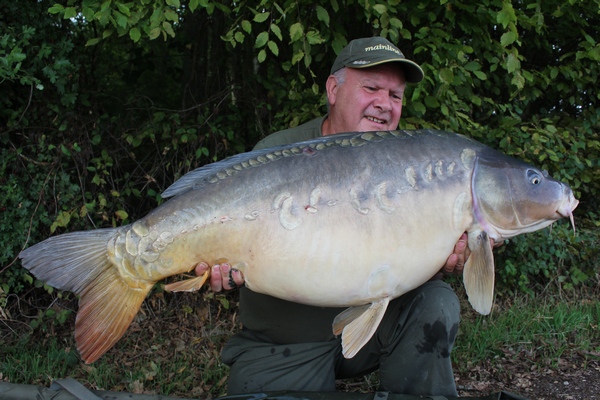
(438, 313)
(436, 299)
(430, 311)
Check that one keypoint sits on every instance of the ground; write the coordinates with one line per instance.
(573, 378)
(190, 332)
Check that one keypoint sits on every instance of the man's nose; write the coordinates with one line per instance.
(383, 101)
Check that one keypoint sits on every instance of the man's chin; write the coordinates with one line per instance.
(374, 126)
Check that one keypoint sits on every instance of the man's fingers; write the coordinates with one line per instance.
(201, 268)
(222, 276)
(216, 279)
(237, 277)
(228, 282)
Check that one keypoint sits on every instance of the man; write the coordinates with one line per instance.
(289, 346)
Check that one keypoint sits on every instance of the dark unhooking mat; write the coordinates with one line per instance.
(70, 389)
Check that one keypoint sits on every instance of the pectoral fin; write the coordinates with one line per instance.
(478, 275)
(188, 285)
(358, 324)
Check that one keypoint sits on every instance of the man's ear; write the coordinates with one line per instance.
(331, 85)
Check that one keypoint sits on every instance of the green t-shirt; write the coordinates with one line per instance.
(301, 133)
(283, 321)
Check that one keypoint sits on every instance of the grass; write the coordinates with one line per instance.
(173, 346)
(541, 330)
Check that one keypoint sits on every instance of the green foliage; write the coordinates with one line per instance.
(97, 118)
(545, 331)
(554, 255)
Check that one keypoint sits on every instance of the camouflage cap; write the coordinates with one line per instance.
(367, 52)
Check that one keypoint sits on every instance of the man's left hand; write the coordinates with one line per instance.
(456, 262)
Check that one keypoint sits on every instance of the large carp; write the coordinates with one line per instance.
(346, 220)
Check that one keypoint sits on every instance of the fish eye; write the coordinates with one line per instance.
(534, 177)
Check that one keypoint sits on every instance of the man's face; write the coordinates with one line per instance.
(370, 99)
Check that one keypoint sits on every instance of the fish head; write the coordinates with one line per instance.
(512, 197)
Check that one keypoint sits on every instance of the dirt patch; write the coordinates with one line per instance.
(573, 378)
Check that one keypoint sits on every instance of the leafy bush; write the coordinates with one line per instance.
(97, 117)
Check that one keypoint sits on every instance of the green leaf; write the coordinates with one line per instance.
(518, 81)
(446, 75)
(135, 34)
(297, 56)
(473, 66)
(512, 63)
(380, 8)
(432, 102)
(508, 38)
(124, 8)
(480, 75)
(239, 37)
(28, 278)
(261, 40)
(193, 5)
(507, 15)
(315, 88)
(88, 13)
(224, 302)
(444, 109)
(262, 56)
(419, 108)
(55, 9)
(246, 26)
(385, 22)
(173, 3)
(262, 17)
(92, 42)
(335, 6)
(121, 214)
(171, 15)
(275, 29)
(121, 19)
(314, 37)
(70, 12)
(296, 31)
(322, 15)
(396, 23)
(168, 28)
(154, 33)
(273, 47)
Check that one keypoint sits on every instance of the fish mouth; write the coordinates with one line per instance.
(567, 207)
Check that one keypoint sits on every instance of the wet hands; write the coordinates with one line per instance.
(222, 276)
(456, 262)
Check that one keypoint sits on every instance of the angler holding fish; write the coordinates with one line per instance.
(290, 346)
(365, 93)
(336, 240)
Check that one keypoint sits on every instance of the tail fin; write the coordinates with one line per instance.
(79, 262)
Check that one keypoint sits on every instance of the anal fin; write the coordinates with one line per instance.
(188, 285)
(358, 324)
(478, 275)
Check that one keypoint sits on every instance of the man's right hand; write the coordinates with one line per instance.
(222, 276)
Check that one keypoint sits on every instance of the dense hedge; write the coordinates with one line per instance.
(104, 104)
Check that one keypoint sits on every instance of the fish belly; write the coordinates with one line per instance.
(331, 251)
